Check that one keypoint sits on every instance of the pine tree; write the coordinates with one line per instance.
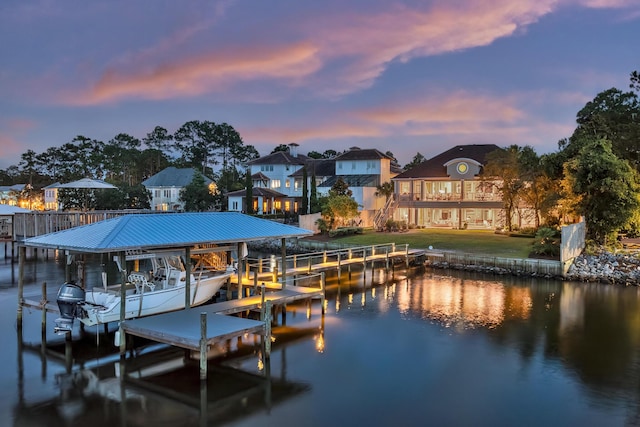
(304, 208)
(314, 202)
(249, 193)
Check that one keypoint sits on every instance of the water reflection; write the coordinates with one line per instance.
(394, 347)
(464, 303)
(161, 386)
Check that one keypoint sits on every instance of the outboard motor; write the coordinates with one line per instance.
(70, 296)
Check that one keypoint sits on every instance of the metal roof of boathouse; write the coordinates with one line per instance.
(162, 230)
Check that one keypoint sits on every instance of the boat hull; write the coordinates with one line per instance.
(104, 306)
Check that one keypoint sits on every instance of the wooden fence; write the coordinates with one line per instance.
(33, 224)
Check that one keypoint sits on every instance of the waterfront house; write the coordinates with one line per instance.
(448, 190)
(363, 170)
(277, 179)
(165, 187)
(274, 188)
(51, 197)
(10, 194)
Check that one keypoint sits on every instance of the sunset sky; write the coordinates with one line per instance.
(402, 76)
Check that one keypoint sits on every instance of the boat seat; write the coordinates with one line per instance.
(140, 281)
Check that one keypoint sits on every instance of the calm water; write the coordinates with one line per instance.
(425, 349)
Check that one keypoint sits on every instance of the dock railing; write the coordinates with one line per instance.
(300, 264)
(524, 265)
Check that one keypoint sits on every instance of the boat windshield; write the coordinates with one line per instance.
(175, 262)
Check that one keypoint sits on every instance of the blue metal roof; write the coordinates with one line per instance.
(137, 231)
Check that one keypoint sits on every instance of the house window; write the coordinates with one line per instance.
(278, 205)
(353, 165)
(287, 184)
(275, 183)
(156, 193)
(234, 206)
(296, 184)
(404, 188)
(339, 165)
(287, 206)
(416, 189)
(266, 168)
(167, 193)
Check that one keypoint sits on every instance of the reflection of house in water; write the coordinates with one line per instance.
(465, 303)
(571, 308)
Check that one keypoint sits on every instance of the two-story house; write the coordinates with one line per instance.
(165, 187)
(278, 179)
(363, 170)
(51, 197)
(10, 194)
(275, 190)
(449, 191)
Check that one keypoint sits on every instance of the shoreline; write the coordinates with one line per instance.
(604, 267)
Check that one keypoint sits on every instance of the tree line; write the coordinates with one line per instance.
(594, 174)
(215, 150)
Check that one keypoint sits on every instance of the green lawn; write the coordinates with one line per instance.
(473, 241)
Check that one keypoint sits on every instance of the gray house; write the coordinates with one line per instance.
(165, 187)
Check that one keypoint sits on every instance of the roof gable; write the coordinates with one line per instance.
(279, 158)
(362, 154)
(173, 177)
(436, 167)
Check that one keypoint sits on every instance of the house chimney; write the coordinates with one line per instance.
(293, 149)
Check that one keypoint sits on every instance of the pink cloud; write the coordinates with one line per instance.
(436, 108)
(18, 124)
(204, 74)
(329, 54)
(609, 4)
(12, 137)
(456, 114)
(11, 146)
(374, 41)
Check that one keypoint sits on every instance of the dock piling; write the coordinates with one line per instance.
(22, 258)
(203, 345)
(322, 286)
(43, 325)
(267, 329)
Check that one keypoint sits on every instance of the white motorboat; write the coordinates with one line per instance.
(156, 286)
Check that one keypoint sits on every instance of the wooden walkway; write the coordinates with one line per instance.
(270, 269)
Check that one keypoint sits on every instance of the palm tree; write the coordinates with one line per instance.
(385, 189)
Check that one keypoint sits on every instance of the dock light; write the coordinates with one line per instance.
(320, 343)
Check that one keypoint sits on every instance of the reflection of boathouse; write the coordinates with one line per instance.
(162, 387)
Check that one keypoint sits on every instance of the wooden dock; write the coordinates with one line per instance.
(199, 328)
(271, 270)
